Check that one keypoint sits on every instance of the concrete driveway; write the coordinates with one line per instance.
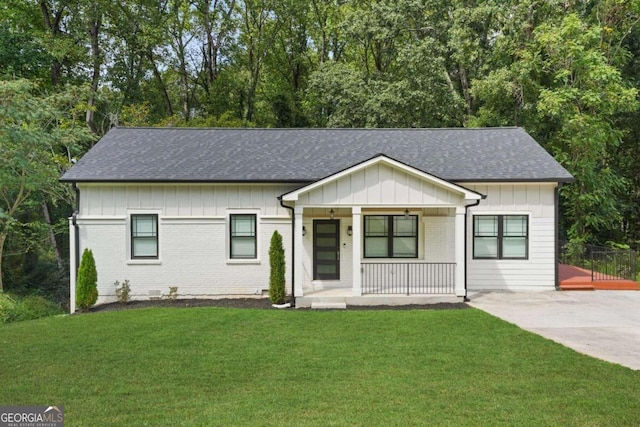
(602, 324)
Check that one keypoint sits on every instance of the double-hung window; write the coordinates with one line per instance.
(243, 236)
(144, 236)
(390, 236)
(500, 236)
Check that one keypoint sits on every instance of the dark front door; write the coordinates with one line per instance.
(326, 249)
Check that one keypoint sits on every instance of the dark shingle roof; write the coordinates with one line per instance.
(306, 155)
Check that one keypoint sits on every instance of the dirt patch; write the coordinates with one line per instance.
(259, 303)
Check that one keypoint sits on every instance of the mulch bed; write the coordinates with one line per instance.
(259, 303)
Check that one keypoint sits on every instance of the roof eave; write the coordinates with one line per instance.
(182, 181)
(515, 180)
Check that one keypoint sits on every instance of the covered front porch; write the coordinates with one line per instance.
(348, 255)
(380, 233)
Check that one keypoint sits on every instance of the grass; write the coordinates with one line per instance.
(216, 366)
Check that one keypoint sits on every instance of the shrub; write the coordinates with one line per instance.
(123, 293)
(87, 283)
(277, 263)
(173, 293)
(7, 308)
(13, 308)
(35, 307)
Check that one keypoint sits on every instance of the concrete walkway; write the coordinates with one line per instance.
(602, 324)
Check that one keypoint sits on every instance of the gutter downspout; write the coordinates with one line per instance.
(74, 248)
(293, 251)
(74, 221)
(466, 244)
(556, 225)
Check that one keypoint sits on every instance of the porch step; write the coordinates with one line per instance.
(328, 305)
(616, 285)
(566, 286)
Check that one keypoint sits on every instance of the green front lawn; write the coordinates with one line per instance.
(216, 366)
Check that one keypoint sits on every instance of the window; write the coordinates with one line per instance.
(144, 236)
(243, 236)
(500, 237)
(390, 236)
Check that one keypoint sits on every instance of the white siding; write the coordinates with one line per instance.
(180, 200)
(380, 185)
(193, 237)
(193, 231)
(439, 238)
(535, 273)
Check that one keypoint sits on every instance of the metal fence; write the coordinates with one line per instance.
(408, 278)
(604, 263)
(613, 265)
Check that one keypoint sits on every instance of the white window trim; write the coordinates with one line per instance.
(143, 261)
(493, 212)
(227, 228)
(421, 230)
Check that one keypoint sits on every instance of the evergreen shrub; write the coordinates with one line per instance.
(87, 281)
(277, 263)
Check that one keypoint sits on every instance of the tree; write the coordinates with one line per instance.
(33, 130)
(87, 283)
(567, 93)
(256, 37)
(277, 263)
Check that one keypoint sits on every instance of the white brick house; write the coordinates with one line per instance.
(367, 216)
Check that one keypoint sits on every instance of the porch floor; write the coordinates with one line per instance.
(572, 278)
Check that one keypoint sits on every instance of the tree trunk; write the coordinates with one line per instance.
(161, 85)
(52, 20)
(52, 238)
(94, 32)
(3, 238)
(464, 84)
(210, 50)
(184, 77)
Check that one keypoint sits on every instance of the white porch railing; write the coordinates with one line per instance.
(408, 278)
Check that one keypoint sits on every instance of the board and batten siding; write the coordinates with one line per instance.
(181, 200)
(380, 185)
(193, 237)
(538, 271)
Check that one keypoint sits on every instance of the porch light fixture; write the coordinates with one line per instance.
(349, 230)
(304, 230)
(331, 213)
(406, 214)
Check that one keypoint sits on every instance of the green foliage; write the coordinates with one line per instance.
(563, 86)
(87, 281)
(15, 308)
(35, 307)
(277, 291)
(34, 128)
(123, 291)
(7, 308)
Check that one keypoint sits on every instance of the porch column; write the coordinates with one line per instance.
(356, 248)
(460, 251)
(298, 243)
